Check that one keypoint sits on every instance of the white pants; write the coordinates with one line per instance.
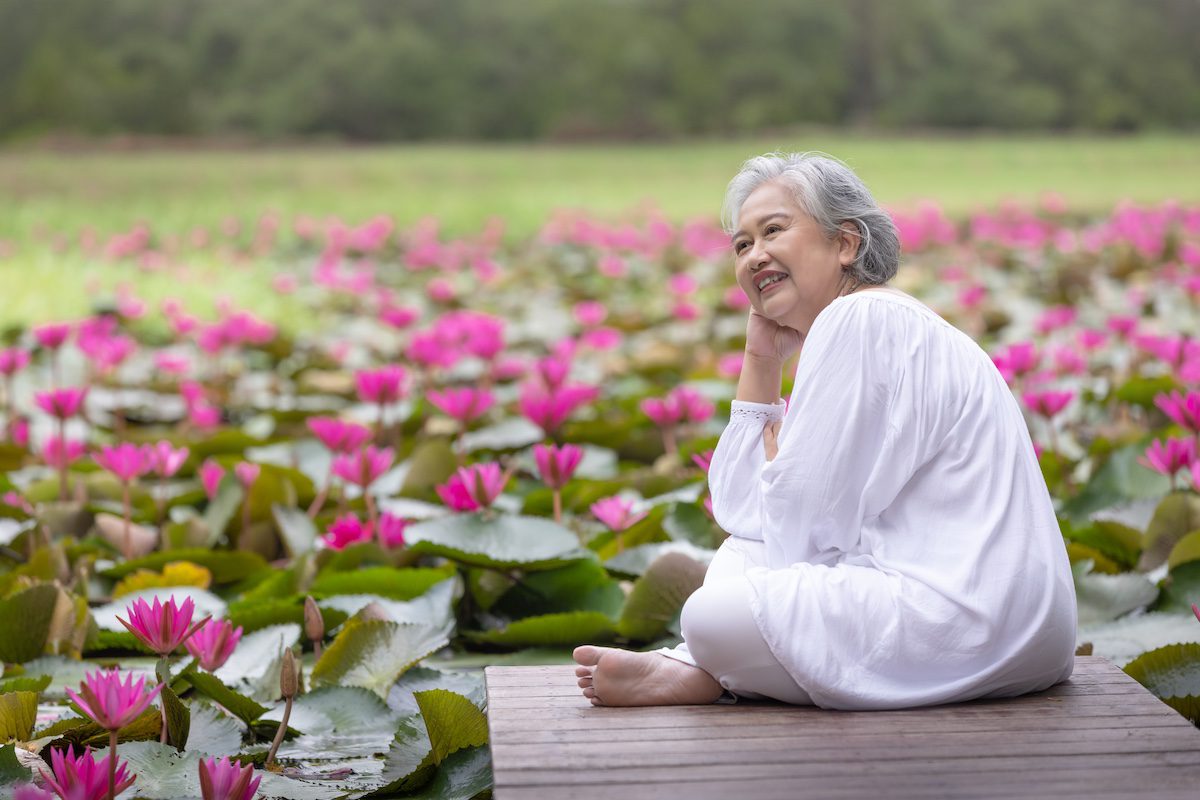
(721, 637)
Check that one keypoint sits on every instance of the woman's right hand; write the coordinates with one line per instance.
(767, 339)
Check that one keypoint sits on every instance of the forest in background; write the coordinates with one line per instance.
(567, 70)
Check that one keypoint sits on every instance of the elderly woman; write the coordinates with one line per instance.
(892, 542)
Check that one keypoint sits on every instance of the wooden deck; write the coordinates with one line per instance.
(1100, 735)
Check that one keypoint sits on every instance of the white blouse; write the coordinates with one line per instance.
(913, 552)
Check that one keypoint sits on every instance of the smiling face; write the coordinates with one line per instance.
(783, 260)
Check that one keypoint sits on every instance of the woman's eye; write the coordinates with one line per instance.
(773, 229)
(739, 247)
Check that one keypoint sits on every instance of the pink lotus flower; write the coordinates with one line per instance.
(213, 643)
(1184, 410)
(84, 778)
(17, 501)
(363, 467)
(126, 460)
(62, 403)
(346, 530)
(1017, 360)
(211, 474)
(381, 386)
(483, 482)
(589, 313)
(13, 360)
(167, 459)
(1122, 326)
(398, 317)
(703, 460)
(465, 404)
(549, 410)
(111, 703)
(1090, 339)
(680, 405)
(247, 473)
(161, 627)
(338, 435)
(730, 365)
(616, 513)
(226, 780)
(1169, 457)
(61, 454)
(18, 431)
(52, 335)
(601, 338)
(553, 371)
(1047, 404)
(391, 530)
(685, 311)
(1055, 317)
(455, 495)
(556, 464)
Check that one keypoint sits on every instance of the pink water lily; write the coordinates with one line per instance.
(166, 459)
(211, 474)
(127, 461)
(1169, 457)
(110, 702)
(162, 627)
(455, 495)
(364, 466)
(338, 435)
(1048, 404)
(557, 464)
(61, 454)
(381, 386)
(703, 460)
(213, 643)
(1184, 410)
(391, 530)
(84, 778)
(483, 482)
(465, 404)
(52, 335)
(346, 530)
(550, 409)
(616, 513)
(62, 403)
(227, 780)
(13, 360)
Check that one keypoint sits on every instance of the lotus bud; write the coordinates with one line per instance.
(373, 612)
(314, 624)
(287, 675)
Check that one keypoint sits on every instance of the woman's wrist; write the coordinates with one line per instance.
(760, 379)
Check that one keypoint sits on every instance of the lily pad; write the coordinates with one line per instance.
(395, 584)
(496, 541)
(401, 698)
(226, 566)
(549, 630)
(338, 722)
(659, 595)
(253, 615)
(213, 732)
(1125, 639)
(1180, 589)
(1172, 673)
(1176, 516)
(583, 585)
(18, 710)
(374, 654)
(1118, 481)
(296, 530)
(253, 669)
(1103, 598)
(237, 704)
(636, 560)
(25, 622)
(687, 522)
(434, 609)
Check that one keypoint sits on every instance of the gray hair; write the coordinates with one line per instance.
(831, 194)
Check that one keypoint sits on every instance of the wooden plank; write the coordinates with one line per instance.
(1098, 735)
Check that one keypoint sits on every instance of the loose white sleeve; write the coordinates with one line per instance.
(735, 474)
(844, 450)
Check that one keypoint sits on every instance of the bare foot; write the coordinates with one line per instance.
(612, 677)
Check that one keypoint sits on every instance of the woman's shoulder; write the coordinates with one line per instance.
(877, 307)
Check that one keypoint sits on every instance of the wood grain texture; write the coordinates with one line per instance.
(1099, 735)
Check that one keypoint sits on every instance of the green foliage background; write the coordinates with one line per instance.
(569, 69)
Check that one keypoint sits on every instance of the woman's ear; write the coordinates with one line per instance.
(849, 240)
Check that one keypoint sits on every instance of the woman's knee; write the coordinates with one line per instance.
(716, 618)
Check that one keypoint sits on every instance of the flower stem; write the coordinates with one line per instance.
(112, 765)
(319, 500)
(278, 740)
(125, 494)
(558, 506)
(62, 463)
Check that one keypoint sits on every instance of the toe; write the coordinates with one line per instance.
(583, 672)
(586, 655)
(584, 682)
(589, 692)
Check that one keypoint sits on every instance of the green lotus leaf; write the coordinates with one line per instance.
(253, 615)
(179, 718)
(1172, 673)
(213, 732)
(375, 653)
(658, 596)
(296, 530)
(687, 522)
(1103, 598)
(551, 630)
(1180, 589)
(1118, 543)
(431, 463)
(497, 541)
(237, 704)
(339, 722)
(25, 620)
(11, 769)
(1176, 516)
(397, 584)
(634, 561)
(18, 710)
(452, 722)
(462, 776)
(221, 509)
(226, 566)
(402, 700)
(1185, 550)
(580, 586)
(1118, 480)
(1123, 640)
(24, 683)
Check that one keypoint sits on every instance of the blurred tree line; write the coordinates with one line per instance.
(563, 69)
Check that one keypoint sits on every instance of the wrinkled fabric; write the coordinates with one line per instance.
(912, 552)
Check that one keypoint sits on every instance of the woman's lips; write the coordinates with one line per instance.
(770, 287)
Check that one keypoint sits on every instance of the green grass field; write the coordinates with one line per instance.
(464, 185)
